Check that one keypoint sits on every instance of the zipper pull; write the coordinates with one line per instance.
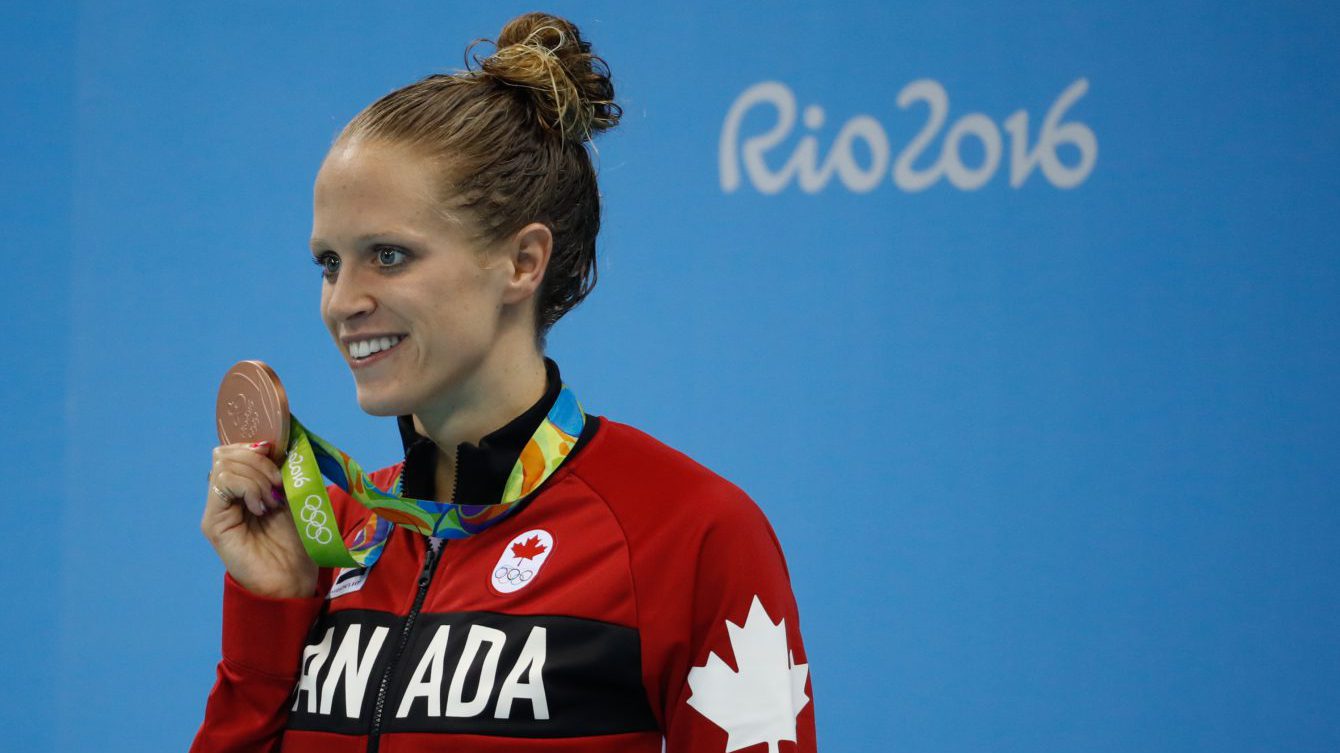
(434, 551)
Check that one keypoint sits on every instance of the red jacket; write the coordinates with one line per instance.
(637, 595)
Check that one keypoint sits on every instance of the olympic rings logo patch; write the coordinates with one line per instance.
(318, 524)
(521, 560)
(512, 575)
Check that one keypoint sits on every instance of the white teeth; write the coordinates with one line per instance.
(365, 348)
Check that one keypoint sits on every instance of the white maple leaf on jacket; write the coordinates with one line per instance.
(758, 703)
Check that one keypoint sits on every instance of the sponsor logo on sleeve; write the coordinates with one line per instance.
(348, 580)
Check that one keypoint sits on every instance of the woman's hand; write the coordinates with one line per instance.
(250, 526)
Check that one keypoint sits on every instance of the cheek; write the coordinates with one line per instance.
(461, 317)
(325, 299)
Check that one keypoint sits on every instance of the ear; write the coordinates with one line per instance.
(528, 253)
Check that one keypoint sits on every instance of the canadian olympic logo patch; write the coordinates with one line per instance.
(521, 561)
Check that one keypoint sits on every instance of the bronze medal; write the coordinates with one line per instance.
(252, 407)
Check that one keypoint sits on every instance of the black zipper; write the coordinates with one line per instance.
(425, 580)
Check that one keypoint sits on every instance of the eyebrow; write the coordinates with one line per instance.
(315, 243)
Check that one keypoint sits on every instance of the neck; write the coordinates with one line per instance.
(499, 391)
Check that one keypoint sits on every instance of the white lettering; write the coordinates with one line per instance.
(812, 175)
(295, 460)
(354, 670)
(959, 174)
(427, 677)
(479, 634)
(930, 92)
(531, 662)
(841, 160)
(313, 658)
(525, 680)
(1053, 135)
(852, 176)
(780, 97)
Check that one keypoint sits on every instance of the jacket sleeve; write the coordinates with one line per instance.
(263, 640)
(747, 684)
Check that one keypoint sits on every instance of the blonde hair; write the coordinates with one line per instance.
(510, 139)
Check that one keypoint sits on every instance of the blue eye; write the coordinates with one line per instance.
(386, 257)
(329, 263)
(390, 256)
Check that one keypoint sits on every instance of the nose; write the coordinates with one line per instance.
(348, 297)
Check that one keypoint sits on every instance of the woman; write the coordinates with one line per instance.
(632, 596)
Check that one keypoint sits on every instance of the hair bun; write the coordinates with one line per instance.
(570, 87)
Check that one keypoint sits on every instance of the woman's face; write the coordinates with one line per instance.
(396, 268)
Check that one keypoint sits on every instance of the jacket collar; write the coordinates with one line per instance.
(481, 470)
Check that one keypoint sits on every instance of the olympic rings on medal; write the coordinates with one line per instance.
(315, 518)
(512, 575)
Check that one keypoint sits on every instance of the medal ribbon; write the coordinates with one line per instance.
(310, 458)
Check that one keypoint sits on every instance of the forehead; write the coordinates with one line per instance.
(373, 188)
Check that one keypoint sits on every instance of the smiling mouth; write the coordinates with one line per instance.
(366, 351)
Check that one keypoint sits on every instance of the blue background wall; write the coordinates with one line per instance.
(1055, 467)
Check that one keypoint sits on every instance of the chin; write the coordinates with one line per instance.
(374, 405)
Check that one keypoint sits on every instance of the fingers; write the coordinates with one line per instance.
(245, 489)
(244, 474)
(257, 456)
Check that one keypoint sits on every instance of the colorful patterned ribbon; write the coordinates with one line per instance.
(310, 457)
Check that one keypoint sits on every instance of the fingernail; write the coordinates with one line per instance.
(259, 445)
(277, 494)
